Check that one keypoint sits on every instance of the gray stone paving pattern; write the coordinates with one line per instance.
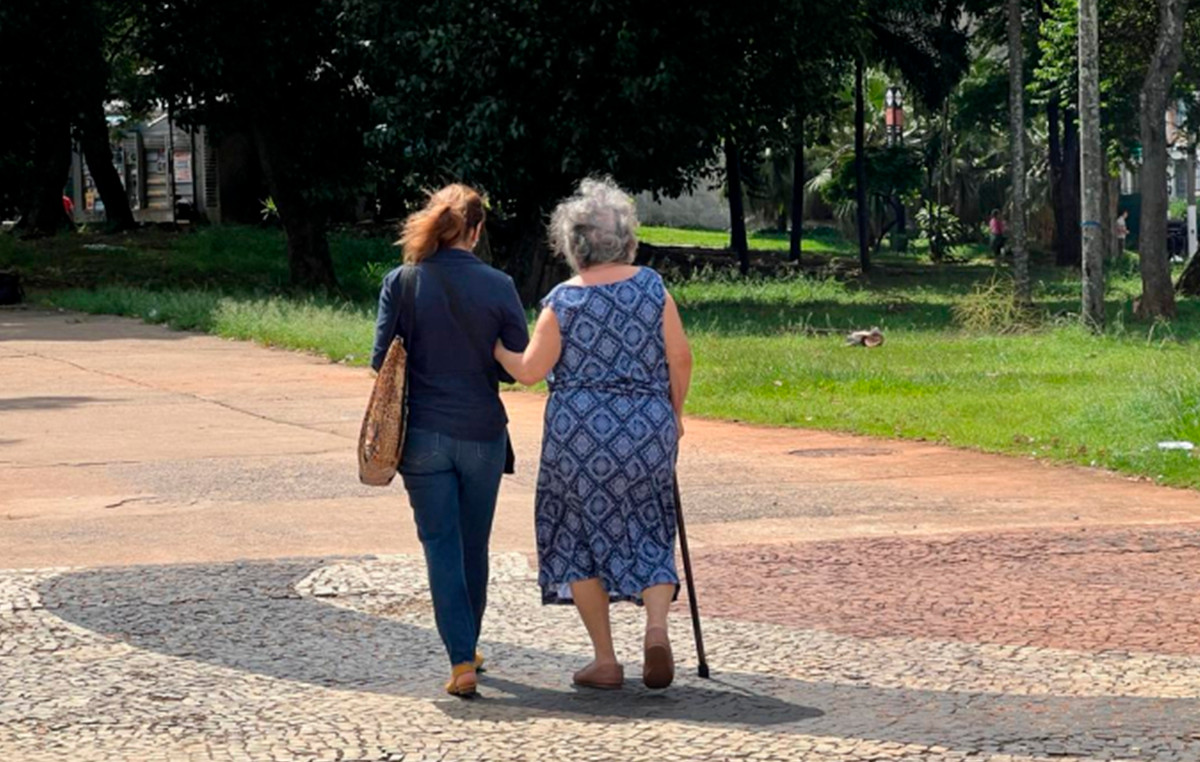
(338, 659)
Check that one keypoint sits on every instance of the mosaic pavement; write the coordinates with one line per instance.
(998, 647)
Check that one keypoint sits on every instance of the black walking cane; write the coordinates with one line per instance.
(691, 585)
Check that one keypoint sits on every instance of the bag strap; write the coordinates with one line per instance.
(408, 304)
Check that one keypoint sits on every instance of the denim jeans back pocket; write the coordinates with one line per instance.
(421, 448)
(491, 453)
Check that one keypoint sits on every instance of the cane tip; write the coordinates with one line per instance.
(704, 671)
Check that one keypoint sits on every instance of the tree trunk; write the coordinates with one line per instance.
(1112, 209)
(1069, 234)
(309, 260)
(1193, 237)
(737, 210)
(532, 251)
(885, 227)
(391, 204)
(483, 248)
(796, 240)
(93, 134)
(1158, 294)
(1055, 164)
(43, 212)
(530, 260)
(1091, 161)
(860, 168)
(1189, 279)
(1016, 128)
(1105, 218)
(901, 239)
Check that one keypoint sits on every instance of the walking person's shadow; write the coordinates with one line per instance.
(249, 617)
(720, 701)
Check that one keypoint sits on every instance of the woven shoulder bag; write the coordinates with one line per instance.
(381, 439)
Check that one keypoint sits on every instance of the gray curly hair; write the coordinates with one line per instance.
(595, 226)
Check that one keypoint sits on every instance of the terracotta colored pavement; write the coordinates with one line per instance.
(1128, 589)
(126, 443)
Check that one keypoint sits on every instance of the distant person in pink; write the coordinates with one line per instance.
(997, 230)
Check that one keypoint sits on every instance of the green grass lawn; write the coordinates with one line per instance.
(768, 351)
(817, 241)
(232, 259)
(822, 241)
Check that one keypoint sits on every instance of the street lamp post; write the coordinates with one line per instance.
(894, 115)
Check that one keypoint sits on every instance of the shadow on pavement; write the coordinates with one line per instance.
(248, 617)
(40, 325)
(44, 403)
(725, 703)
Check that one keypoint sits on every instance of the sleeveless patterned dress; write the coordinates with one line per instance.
(605, 502)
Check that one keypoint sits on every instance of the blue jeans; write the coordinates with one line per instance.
(452, 486)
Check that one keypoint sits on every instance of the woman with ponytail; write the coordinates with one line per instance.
(457, 443)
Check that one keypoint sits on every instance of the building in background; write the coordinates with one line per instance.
(170, 173)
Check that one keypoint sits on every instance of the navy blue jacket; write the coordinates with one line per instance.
(452, 374)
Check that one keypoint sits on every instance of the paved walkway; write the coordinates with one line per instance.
(189, 570)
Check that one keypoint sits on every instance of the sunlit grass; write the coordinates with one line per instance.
(768, 351)
(820, 240)
(1059, 395)
(226, 257)
(342, 332)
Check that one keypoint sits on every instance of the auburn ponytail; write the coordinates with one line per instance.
(449, 215)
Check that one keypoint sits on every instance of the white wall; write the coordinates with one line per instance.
(703, 209)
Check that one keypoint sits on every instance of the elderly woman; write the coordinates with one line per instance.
(612, 345)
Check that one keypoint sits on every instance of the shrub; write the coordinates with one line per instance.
(992, 307)
(942, 227)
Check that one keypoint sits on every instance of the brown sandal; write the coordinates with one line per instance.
(658, 668)
(605, 677)
(463, 681)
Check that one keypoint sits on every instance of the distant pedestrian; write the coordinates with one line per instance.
(456, 446)
(612, 344)
(1121, 230)
(997, 230)
(68, 210)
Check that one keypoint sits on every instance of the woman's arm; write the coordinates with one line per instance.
(540, 357)
(679, 358)
(514, 328)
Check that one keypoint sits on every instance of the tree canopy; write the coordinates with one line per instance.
(346, 100)
(290, 78)
(1128, 32)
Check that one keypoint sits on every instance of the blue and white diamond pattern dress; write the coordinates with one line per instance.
(605, 502)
